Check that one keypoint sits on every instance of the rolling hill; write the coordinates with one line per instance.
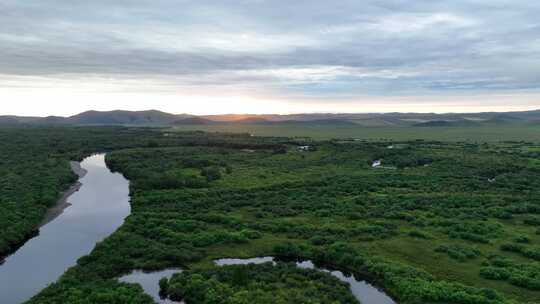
(159, 118)
(151, 117)
(448, 123)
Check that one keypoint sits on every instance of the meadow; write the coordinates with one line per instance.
(491, 133)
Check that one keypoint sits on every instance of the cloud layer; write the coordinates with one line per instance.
(304, 49)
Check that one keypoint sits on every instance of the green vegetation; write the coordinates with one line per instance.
(459, 252)
(449, 223)
(265, 284)
(525, 275)
(30, 182)
(34, 167)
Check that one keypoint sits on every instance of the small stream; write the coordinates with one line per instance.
(88, 214)
(362, 290)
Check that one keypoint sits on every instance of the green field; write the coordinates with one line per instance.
(493, 133)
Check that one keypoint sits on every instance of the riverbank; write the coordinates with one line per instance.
(51, 213)
(63, 203)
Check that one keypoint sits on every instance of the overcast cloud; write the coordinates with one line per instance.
(314, 50)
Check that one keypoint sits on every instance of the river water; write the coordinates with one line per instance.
(96, 211)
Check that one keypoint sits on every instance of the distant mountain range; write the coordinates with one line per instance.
(158, 118)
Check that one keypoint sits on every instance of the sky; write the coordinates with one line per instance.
(62, 57)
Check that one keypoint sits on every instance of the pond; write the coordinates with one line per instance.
(92, 211)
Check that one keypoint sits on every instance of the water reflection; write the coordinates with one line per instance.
(149, 281)
(96, 210)
(259, 260)
(362, 290)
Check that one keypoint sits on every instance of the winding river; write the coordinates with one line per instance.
(72, 229)
(90, 211)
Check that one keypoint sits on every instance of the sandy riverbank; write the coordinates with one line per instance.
(62, 203)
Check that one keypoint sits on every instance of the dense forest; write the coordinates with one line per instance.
(434, 223)
(34, 167)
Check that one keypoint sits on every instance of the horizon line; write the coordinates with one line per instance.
(279, 114)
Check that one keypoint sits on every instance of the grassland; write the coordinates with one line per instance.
(491, 133)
